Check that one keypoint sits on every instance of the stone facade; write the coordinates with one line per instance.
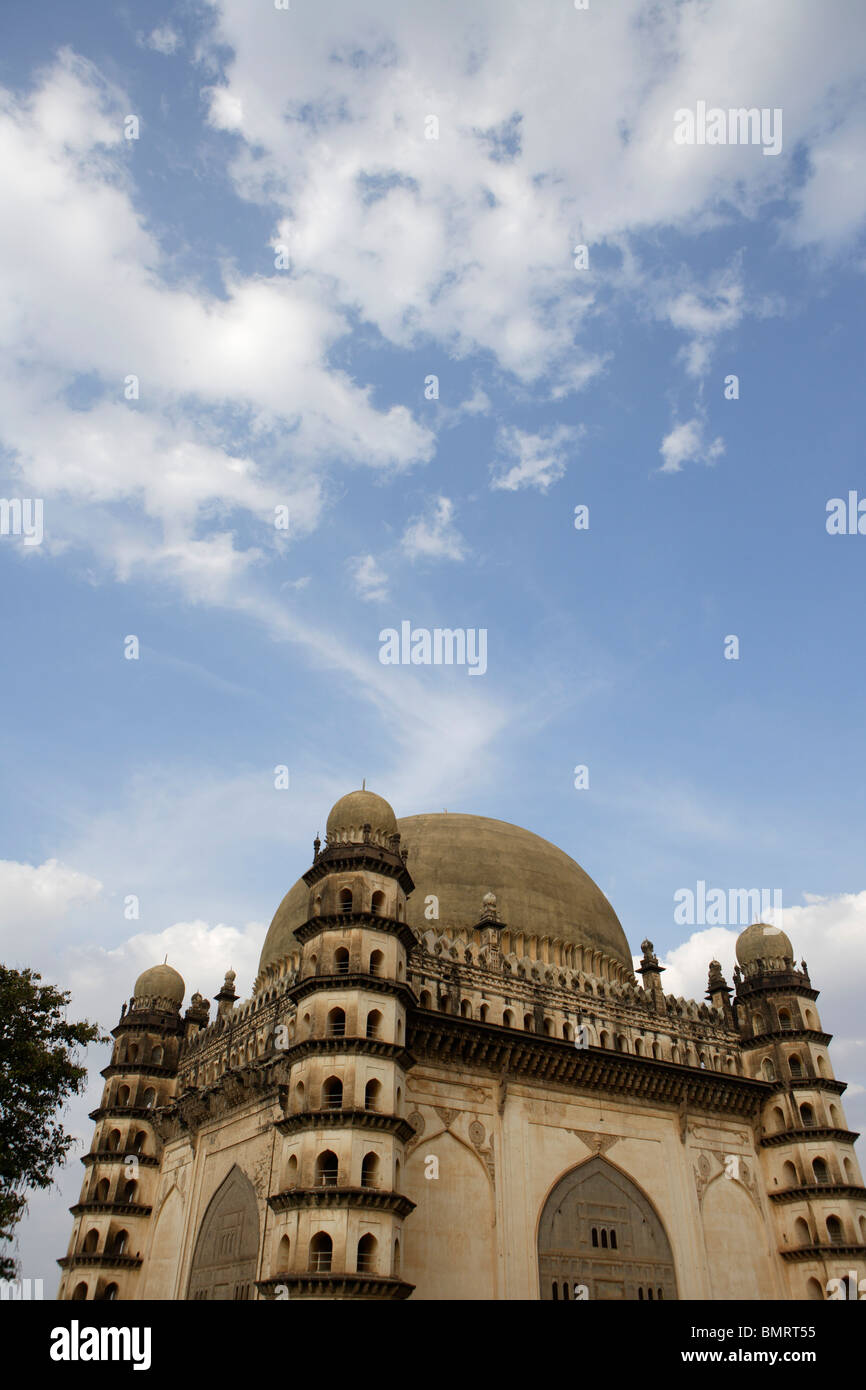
(467, 1110)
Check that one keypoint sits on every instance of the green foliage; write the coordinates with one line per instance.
(38, 1074)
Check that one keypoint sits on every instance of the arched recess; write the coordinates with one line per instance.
(161, 1265)
(226, 1251)
(735, 1240)
(597, 1192)
(448, 1248)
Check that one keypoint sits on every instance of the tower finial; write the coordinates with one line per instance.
(363, 784)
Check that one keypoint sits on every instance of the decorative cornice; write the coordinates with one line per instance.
(370, 1047)
(534, 1057)
(785, 1034)
(339, 921)
(823, 1252)
(372, 984)
(368, 1198)
(138, 1069)
(309, 1285)
(118, 1156)
(115, 1208)
(348, 857)
(805, 1136)
(122, 1112)
(148, 1021)
(101, 1258)
(346, 1119)
(812, 1191)
(776, 982)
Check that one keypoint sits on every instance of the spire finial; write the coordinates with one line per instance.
(363, 784)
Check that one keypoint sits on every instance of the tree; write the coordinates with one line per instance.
(38, 1074)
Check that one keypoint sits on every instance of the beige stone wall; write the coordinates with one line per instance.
(474, 1232)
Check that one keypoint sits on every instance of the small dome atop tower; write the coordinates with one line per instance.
(762, 942)
(352, 812)
(160, 982)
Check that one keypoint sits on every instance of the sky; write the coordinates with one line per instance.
(321, 320)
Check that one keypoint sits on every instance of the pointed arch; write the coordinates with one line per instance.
(597, 1196)
(226, 1251)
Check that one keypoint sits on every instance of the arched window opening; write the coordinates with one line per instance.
(79, 1293)
(101, 1194)
(814, 1290)
(396, 1257)
(377, 963)
(337, 1023)
(822, 1175)
(603, 1238)
(556, 1293)
(118, 1245)
(114, 1139)
(370, 1170)
(807, 1116)
(603, 1039)
(465, 1009)
(795, 1066)
(292, 1171)
(374, 1024)
(129, 1191)
(91, 1242)
(299, 1096)
(508, 1019)
(367, 1254)
(341, 961)
(768, 1069)
(327, 1169)
(548, 1027)
(834, 1231)
(110, 1294)
(150, 1098)
(528, 1023)
(123, 1095)
(283, 1254)
(372, 1091)
(321, 1252)
(332, 1094)
(595, 1235)
(157, 1055)
(784, 1019)
(425, 1000)
(345, 900)
(377, 903)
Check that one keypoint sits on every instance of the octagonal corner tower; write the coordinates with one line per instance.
(540, 891)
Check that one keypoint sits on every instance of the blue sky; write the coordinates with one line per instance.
(304, 387)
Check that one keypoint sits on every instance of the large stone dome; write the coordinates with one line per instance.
(539, 890)
(760, 942)
(160, 982)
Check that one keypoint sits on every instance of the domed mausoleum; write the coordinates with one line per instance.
(449, 1082)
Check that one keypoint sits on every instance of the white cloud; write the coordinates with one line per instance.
(686, 444)
(536, 460)
(370, 581)
(433, 536)
(37, 898)
(164, 39)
